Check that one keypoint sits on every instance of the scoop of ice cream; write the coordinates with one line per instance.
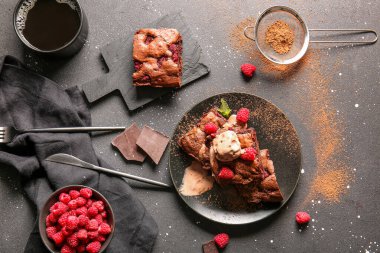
(226, 146)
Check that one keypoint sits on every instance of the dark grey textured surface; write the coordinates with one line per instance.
(350, 225)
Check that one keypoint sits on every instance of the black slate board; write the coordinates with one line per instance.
(118, 57)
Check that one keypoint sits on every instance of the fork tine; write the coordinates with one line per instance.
(4, 135)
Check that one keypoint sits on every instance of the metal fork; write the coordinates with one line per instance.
(8, 133)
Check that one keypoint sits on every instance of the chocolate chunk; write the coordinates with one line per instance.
(126, 143)
(153, 143)
(210, 247)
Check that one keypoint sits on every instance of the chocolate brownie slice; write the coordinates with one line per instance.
(194, 142)
(157, 56)
(255, 181)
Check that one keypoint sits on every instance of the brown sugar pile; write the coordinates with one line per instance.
(280, 37)
(331, 170)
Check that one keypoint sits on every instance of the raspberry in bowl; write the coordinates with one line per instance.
(76, 218)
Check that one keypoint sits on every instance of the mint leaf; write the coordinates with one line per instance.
(224, 108)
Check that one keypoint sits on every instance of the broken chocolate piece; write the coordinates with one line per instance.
(210, 247)
(153, 143)
(126, 144)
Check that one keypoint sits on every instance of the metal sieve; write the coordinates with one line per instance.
(301, 32)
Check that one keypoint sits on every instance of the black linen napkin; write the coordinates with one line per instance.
(28, 100)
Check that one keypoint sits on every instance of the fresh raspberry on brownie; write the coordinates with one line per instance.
(157, 56)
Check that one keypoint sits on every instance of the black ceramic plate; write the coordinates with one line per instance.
(275, 132)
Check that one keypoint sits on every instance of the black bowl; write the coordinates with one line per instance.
(54, 198)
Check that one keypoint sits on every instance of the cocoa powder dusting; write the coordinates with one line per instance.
(331, 172)
(331, 184)
(280, 37)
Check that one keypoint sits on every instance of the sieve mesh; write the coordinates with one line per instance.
(295, 22)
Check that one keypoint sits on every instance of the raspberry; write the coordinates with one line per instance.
(52, 218)
(92, 225)
(242, 115)
(89, 203)
(66, 232)
(86, 193)
(81, 248)
(137, 65)
(92, 211)
(53, 207)
(247, 69)
(48, 222)
(50, 231)
(249, 154)
(72, 213)
(83, 220)
(74, 194)
(92, 235)
(73, 204)
(148, 39)
(67, 249)
(99, 218)
(72, 222)
(99, 205)
(222, 240)
(64, 198)
(59, 209)
(100, 238)
(81, 201)
(226, 173)
(104, 214)
(93, 247)
(81, 211)
(63, 219)
(104, 229)
(72, 240)
(58, 238)
(302, 218)
(210, 128)
(82, 234)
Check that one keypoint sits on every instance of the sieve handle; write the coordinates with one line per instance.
(346, 41)
(245, 32)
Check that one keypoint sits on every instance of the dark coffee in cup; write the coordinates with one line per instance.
(51, 26)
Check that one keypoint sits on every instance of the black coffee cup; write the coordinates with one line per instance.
(68, 46)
